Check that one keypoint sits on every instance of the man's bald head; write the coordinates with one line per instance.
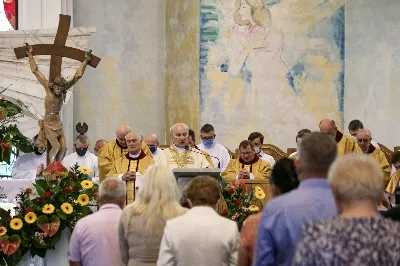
(121, 132)
(99, 144)
(151, 139)
(328, 126)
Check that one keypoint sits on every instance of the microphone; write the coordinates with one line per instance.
(199, 152)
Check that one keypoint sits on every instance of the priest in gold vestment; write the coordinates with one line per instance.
(180, 154)
(131, 165)
(114, 150)
(345, 143)
(395, 178)
(248, 166)
(364, 141)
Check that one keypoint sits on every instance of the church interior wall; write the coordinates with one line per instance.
(128, 85)
(154, 71)
(372, 91)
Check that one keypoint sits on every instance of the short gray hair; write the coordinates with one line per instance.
(171, 130)
(356, 177)
(112, 189)
(82, 138)
(317, 151)
(365, 131)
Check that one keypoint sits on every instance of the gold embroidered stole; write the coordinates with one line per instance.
(180, 159)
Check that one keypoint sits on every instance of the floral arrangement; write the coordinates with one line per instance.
(44, 211)
(239, 201)
(10, 136)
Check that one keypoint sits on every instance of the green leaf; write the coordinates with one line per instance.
(61, 214)
(55, 189)
(14, 258)
(3, 262)
(41, 186)
(25, 235)
(56, 238)
(41, 252)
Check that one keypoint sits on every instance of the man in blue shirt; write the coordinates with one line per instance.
(283, 217)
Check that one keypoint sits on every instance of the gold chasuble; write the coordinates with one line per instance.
(173, 158)
(393, 183)
(381, 159)
(126, 164)
(346, 144)
(259, 168)
(208, 157)
(110, 153)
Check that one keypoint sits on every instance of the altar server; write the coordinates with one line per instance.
(29, 165)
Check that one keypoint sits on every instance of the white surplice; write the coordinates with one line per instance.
(26, 165)
(219, 151)
(89, 160)
(266, 157)
(155, 154)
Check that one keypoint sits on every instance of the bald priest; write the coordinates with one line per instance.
(248, 166)
(345, 143)
(180, 154)
(114, 150)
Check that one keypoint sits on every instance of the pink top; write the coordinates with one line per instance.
(94, 240)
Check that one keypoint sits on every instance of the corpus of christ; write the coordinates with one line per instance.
(232, 132)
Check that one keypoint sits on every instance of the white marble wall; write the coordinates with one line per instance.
(372, 90)
(128, 85)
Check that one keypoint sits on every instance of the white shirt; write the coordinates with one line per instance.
(155, 154)
(219, 151)
(26, 165)
(89, 160)
(266, 157)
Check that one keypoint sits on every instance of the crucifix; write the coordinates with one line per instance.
(56, 87)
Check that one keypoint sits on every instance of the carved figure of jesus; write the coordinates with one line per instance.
(51, 128)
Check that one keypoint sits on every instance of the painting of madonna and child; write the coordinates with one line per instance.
(280, 60)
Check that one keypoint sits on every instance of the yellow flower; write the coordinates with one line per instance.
(86, 184)
(48, 209)
(67, 208)
(3, 230)
(259, 193)
(16, 224)
(83, 199)
(253, 208)
(30, 217)
(85, 170)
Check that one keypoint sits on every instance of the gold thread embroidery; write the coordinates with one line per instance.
(180, 159)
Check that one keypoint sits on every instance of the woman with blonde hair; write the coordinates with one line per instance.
(142, 222)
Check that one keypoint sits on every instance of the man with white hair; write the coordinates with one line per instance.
(151, 141)
(115, 149)
(179, 154)
(83, 158)
(364, 139)
(94, 240)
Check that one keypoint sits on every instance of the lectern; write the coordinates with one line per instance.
(184, 175)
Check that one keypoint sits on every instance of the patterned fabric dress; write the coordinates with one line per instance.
(343, 241)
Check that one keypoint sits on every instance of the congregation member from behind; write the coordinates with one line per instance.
(358, 235)
(283, 179)
(142, 222)
(283, 217)
(94, 240)
(201, 236)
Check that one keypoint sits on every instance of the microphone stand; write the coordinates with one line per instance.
(199, 152)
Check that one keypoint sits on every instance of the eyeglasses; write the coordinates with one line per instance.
(363, 140)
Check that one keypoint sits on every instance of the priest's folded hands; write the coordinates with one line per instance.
(244, 174)
(129, 176)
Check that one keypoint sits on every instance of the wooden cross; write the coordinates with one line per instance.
(57, 51)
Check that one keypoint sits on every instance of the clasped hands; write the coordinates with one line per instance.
(244, 174)
(129, 176)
